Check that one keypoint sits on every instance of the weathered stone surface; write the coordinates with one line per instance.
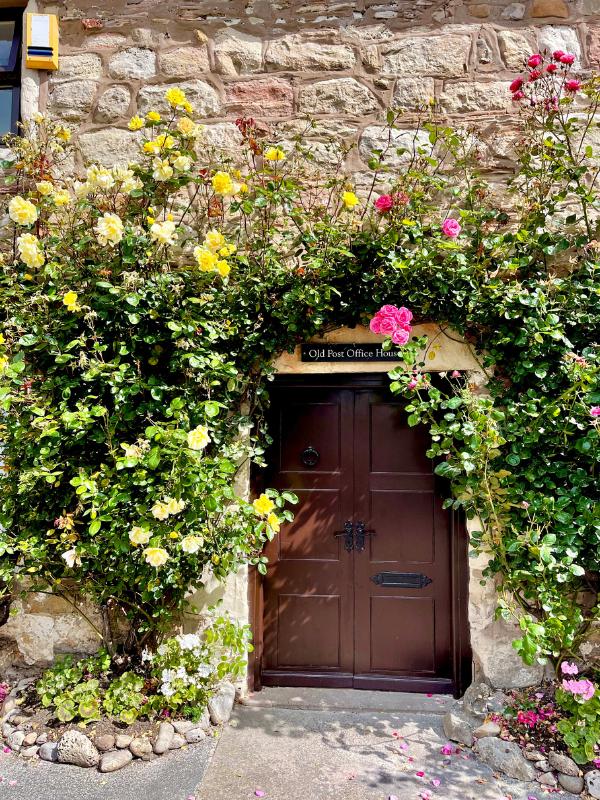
(48, 751)
(479, 10)
(296, 52)
(542, 766)
(547, 779)
(594, 44)
(135, 62)
(497, 702)
(113, 103)
(182, 726)
(550, 8)
(534, 755)
(442, 56)
(148, 37)
(222, 136)
(413, 92)
(475, 97)
(515, 46)
(105, 742)
(458, 728)
(195, 735)
(109, 146)
(82, 65)
(395, 149)
(513, 11)
(177, 741)
(29, 752)
(367, 34)
(116, 759)
(571, 783)
(562, 763)
(559, 37)
(185, 62)
(164, 738)
(338, 95)
(237, 53)
(141, 748)
(475, 699)
(220, 704)
(15, 740)
(123, 740)
(72, 101)
(505, 757)
(488, 728)
(30, 738)
(42, 738)
(202, 96)
(75, 748)
(9, 704)
(102, 41)
(268, 97)
(592, 783)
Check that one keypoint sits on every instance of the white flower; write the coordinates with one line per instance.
(167, 690)
(174, 506)
(147, 655)
(191, 544)
(187, 641)
(160, 510)
(131, 450)
(100, 178)
(182, 163)
(198, 438)
(203, 671)
(163, 232)
(162, 169)
(71, 557)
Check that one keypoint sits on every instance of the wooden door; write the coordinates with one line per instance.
(376, 609)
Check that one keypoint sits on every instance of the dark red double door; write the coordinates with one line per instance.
(360, 590)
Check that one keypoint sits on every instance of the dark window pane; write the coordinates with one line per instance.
(7, 34)
(7, 111)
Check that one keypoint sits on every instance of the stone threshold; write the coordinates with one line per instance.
(309, 699)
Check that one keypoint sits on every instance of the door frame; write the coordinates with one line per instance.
(459, 568)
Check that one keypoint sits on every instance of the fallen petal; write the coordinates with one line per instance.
(435, 782)
(420, 774)
(259, 793)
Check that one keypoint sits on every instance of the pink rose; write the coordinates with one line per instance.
(401, 199)
(595, 411)
(400, 336)
(558, 54)
(516, 84)
(572, 86)
(535, 60)
(455, 374)
(534, 75)
(384, 203)
(394, 322)
(412, 384)
(551, 68)
(567, 58)
(451, 227)
(568, 668)
(518, 96)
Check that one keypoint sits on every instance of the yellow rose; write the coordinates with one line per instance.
(350, 200)
(109, 229)
(274, 154)
(61, 198)
(175, 97)
(223, 268)
(214, 240)
(139, 535)
(153, 116)
(162, 169)
(223, 184)
(191, 544)
(163, 232)
(3, 365)
(2, 339)
(160, 510)
(198, 438)
(100, 178)
(70, 300)
(44, 188)
(156, 556)
(187, 127)
(273, 522)
(187, 107)
(135, 123)
(30, 250)
(182, 163)
(174, 506)
(263, 505)
(207, 261)
(64, 134)
(22, 211)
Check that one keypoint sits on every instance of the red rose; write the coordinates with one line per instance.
(572, 86)
(534, 60)
(558, 54)
(518, 96)
(534, 75)
(516, 84)
(384, 203)
(551, 68)
(567, 58)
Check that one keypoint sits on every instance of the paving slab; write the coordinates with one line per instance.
(308, 754)
(349, 700)
(174, 776)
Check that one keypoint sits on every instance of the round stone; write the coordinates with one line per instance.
(592, 783)
(105, 742)
(48, 751)
(571, 783)
(75, 748)
(116, 759)
(141, 748)
(164, 738)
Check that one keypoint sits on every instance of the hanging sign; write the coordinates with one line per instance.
(314, 352)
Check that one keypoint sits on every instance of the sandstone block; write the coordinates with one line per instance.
(516, 46)
(479, 10)
(202, 96)
(102, 41)
(295, 52)
(513, 11)
(237, 53)
(82, 65)
(269, 97)
(110, 146)
(185, 62)
(594, 44)
(113, 103)
(72, 101)
(338, 95)
(413, 92)
(559, 37)
(550, 8)
(135, 62)
(475, 97)
(222, 136)
(442, 56)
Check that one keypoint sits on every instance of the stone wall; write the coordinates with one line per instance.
(340, 62)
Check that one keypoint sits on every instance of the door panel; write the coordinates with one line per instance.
(326, 621)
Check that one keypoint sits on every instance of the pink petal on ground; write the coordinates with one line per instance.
(410, 758)
(6, 750)
(12, 783)
(259, 793)
(435, 782)
(531, 797)
(403, 746)
(425, 796)
(393, 797)
(429, 694)
(420, 774)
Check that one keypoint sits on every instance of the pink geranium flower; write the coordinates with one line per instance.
(535, 60)
(551, 68)
(447, 750)
(568, 668)
(451, 227)
(583, 688)
(595, 411)
(384, 203)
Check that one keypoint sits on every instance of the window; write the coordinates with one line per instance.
(11, 22)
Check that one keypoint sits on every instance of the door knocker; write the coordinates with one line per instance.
(310, 457)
